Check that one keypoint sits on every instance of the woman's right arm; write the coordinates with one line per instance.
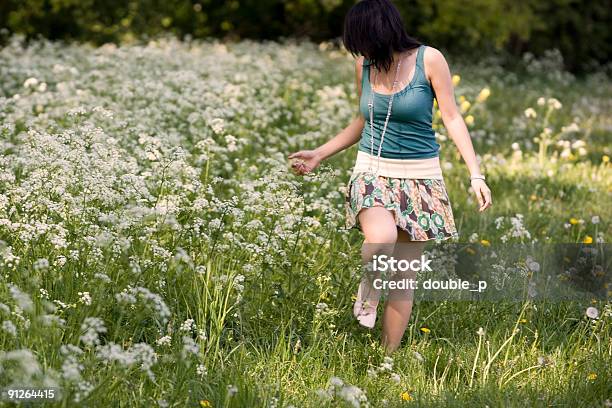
(346, 138)
(308, 160)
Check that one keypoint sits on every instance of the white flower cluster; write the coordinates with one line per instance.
(92, 327)
(352, 394)
(386, 367)
(140, 354)
(516, 228)
(131, 295)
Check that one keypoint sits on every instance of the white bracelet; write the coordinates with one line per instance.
(478, 177)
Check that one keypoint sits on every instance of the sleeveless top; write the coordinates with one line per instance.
(409, 133)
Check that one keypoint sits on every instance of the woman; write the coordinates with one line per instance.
(396, 193)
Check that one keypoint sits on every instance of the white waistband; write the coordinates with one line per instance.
(399, 168)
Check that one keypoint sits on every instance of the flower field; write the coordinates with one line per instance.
(156, 249)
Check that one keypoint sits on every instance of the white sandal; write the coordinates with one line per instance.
(365, 309)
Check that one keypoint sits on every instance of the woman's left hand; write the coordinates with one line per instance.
(305, 161)
(483, 194)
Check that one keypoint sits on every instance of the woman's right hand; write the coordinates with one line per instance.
(305, 161)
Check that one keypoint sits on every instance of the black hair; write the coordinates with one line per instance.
(375, 29)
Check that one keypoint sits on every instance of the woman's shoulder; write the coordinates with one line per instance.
(359, 73)
(360, 61)
(432, 55)
(359, 66)
(433, 60)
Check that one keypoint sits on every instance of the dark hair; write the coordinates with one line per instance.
(375, 29)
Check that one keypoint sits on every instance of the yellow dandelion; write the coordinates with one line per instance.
(469, 120)
(573, 221)
(588, 239)
(605, 158)
(425, 330)
(533, 197)
(483, 95)
(484, 242)
(406, 396)
(465, 105)
(205, 404)
(592, 376)
(523, 321)
(166, 21)
(456, 78)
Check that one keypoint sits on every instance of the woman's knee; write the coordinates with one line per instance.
(381, 237)
(378, 226)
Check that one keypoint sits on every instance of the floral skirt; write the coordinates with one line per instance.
(421, 207)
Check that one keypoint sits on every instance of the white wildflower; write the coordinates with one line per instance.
(9, 327)
(231, 390)
(41, 264)
(554, 103)
(92, 327)
(202, 335)
(22, 299)
(189, 347)
(321, 307)
(30, 82)
(530, 113)
(592, 313)
(85, 298)
(336, 381)
(188, 325)
(217, 125)
(164, 341)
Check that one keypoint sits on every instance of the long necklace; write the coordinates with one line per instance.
(371, 109)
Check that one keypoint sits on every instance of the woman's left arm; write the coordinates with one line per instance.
(439, 75)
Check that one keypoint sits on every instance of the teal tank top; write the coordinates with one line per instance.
(409, 133)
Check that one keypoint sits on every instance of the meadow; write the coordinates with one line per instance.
(156, 249)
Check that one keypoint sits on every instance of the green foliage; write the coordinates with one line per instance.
(474, 23)
(578, 28)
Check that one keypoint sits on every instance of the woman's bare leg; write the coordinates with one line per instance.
(398, 307)
(380, 231)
